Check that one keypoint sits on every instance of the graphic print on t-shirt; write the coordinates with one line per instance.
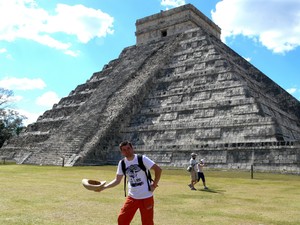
(132, 172)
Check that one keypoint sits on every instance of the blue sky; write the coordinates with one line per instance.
(47, 48)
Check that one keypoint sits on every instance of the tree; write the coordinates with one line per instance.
(11, 122)
(5, 96)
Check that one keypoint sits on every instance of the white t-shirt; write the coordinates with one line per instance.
(193, 163)
(137, 180)
(200, 167)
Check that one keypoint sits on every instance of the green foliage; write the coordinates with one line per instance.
(48, 195)
(10, 120)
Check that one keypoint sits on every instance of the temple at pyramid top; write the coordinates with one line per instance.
(172, 22)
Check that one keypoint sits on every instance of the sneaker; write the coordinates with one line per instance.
(205, 188)
(190, 185)
(193, 189)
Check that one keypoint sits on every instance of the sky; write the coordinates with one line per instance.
(47, 48)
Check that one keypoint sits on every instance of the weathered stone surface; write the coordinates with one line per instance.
(172, 22)
(177, 91)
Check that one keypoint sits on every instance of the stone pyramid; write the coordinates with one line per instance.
(178, 90)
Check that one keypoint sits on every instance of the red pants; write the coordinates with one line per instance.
(130, 207)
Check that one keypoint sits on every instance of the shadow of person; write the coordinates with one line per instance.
(210, 190)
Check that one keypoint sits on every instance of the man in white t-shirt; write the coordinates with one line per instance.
(193, 173)
(139, 195)
(200, 173)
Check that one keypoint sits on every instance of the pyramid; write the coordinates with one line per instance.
(179, 90)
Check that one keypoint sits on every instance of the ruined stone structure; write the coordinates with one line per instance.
(178, 90)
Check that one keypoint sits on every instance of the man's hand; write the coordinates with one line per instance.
(153, 187)
(99, 189)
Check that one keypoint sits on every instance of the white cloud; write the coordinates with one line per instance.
(47, 99)
(85, 23)
(291, 90)
(2, 50)
(49, 41)
(5, 53)
(9, 100)
(15, 98)
(31, 117)
(13, 83)
(274, 23)
(172, 3)
(247, 58)
(72, 53)
(31, 22)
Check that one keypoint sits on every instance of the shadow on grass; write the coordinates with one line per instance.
(215, 191)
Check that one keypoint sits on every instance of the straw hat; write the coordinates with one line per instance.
(92, 185)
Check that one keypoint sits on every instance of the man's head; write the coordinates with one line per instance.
(124, 143)
(193, 155)
(126, 149)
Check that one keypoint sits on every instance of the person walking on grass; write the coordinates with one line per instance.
(200, 173)
(140, 190)
(193, 173)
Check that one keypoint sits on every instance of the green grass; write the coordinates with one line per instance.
(54, 195)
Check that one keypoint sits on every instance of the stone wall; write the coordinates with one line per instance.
(280, 157)
(172, 22)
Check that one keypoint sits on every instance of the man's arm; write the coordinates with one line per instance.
(157, 173)
(111, 184)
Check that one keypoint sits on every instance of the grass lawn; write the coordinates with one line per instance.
(54, 195)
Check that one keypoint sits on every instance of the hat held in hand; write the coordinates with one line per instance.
(92, 185)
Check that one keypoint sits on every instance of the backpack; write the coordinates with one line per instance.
(142, 166)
